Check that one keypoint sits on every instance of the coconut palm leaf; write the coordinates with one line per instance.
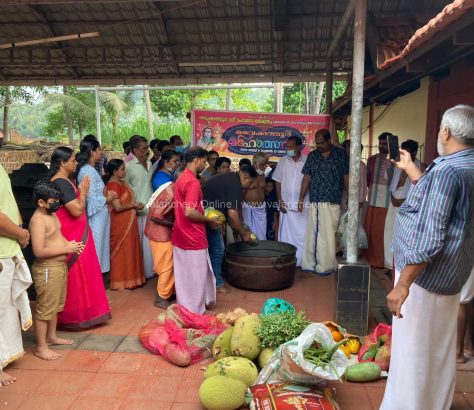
(77, 107)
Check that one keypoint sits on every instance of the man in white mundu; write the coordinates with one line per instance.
(254, 212)
(432, 247)
(288, 178)
(15, 278)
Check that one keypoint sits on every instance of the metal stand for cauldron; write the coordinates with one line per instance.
(267, 266)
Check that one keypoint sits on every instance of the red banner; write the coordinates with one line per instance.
(242, 134)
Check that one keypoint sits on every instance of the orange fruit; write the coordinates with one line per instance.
(345, 350)
(332, 328)
(337, 336)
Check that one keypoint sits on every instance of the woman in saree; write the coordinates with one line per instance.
(126, 262)
(159, 224)
(86, 301)
(98, 215)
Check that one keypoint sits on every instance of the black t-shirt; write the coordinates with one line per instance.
(223, 192)
(67, 190)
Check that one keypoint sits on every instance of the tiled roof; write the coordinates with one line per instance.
(447, 16)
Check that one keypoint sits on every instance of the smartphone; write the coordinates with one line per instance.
(393, 148)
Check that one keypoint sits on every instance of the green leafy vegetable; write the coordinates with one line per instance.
(279, 328)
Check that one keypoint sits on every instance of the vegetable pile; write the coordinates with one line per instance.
(279, 328)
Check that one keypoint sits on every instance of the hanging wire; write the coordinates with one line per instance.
(157, 13)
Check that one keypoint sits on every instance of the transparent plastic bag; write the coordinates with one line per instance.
(287, 364)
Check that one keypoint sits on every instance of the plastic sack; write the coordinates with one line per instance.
(287, 363)
(372, 342)
(286, 396)
(192, 335)
(276, 305)
(362, 242)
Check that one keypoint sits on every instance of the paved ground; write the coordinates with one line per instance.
(108, 369)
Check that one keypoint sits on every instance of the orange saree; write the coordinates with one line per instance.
(126, 263)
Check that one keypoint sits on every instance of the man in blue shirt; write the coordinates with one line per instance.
(433, 251)
(326, 172)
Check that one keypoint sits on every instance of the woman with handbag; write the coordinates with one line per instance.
(158, 227)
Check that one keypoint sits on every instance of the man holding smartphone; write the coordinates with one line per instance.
(379, 176)
(433, 243)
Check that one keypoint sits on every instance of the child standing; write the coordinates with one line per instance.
(49, 270)
(271, 203)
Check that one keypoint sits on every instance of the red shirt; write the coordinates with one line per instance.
(187, 234)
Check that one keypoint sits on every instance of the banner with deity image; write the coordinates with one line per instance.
(242, 134)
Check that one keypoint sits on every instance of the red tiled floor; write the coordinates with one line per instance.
(83, 361)
(10, 400)
(349, 394)
(47, 402)
(72, 383)
(469, 398)
(460, 402)
(465, 382)
(27, 381)
(97, 403)
(375, 394)
(124, 362)
(108, 385)
(30, 361)
(137, 404)
(160, 388)
(189, 389)
(187, 406)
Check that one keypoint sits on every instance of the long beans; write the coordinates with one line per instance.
(319, 356)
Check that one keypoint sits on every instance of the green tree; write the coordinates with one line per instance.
(115, 104)
(14, 95)
(81, 107)
(294, 99)
(294, 96)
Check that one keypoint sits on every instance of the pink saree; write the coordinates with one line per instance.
(86, 301)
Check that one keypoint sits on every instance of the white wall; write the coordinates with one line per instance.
(405, 117)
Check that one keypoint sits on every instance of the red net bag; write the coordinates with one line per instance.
(185, 338)
(145, 334)
(372, 342)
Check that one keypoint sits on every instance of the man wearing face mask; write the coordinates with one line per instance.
(253, 209)
(288, 178)
(177, 144)
(15, 278)
(49, 270)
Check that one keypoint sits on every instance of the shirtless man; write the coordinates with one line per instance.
(49, 270)
(253, 208)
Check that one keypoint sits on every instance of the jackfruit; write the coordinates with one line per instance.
(214, 213)
(221, 347)
(234, 367)
(222, 393)
(244, 342)
(264, 357)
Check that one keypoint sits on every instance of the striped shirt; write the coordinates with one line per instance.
(435, 224)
